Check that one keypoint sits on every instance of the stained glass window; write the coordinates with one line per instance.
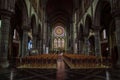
(59, 31)
(59, 34)
(30, 44)
(63, 43)
(55, 43)
(59, 43)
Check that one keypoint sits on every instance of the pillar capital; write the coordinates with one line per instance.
(5, 31)
(35, 34)
(115, 7)
(25, 28)
(7, 5)
(6, 13)
(85, 35)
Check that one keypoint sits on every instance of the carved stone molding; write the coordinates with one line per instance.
(115, 7)
(7, 5)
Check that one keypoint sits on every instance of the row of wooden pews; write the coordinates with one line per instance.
(85, 61)
(37, 61)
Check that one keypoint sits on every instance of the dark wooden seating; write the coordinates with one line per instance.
(42, 60)
(80, 60)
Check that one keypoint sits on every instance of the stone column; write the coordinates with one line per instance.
(39, 46)
(117, 23)
(42, 44)
(116, 13)
(97, 43)
(81, 46)
(4, 41)
(20, 46)
(25, 42)
(86, 46)
(34, 41)
(78, 46)
(72, 37)
(45, 37)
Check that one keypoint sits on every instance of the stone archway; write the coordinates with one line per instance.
(91, 44)
(102, 25)
(113, 43)
(39, 39)
(88, 26)
(77, 38)
(34, 31)
(80, 39)
(19, 22)
(89, 33)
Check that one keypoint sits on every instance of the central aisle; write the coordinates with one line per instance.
(60, 68)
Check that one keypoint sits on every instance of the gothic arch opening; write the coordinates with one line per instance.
(88, 34)
(112, 43)
(88, 25)
(17, 22)
(16, 38)
(34, 31)
(80, 39)
(81, 31)
(103, 21)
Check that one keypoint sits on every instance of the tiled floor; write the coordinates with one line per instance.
(43, 74)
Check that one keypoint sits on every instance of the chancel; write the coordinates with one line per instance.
(59, 39)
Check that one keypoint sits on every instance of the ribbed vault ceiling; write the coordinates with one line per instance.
(59, 11)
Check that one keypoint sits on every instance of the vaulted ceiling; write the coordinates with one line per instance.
(59, 11)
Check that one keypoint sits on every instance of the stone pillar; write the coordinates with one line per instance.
(86, 46)
(81, 46)
(44, 34)
(116, 68)
(78, 47)
(39, 46)
(34, 41)
(117, 23)
(42, 42)
(25, 43)
(116, 14)
(20, 46)
(97, 43)
(71, 49)
(4, 41)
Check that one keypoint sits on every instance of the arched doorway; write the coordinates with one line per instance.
(18, 22)
(113, 43)
(81, 39)
(34, 31)
(103, 22)
(87, 33)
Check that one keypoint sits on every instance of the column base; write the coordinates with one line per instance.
(114, 72)
(4, 64)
